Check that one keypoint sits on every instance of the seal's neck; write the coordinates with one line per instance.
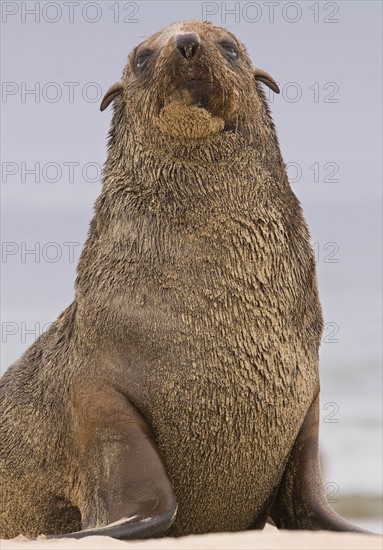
(223, 147)
(158, 172)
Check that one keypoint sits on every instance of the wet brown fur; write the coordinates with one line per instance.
(196, 298)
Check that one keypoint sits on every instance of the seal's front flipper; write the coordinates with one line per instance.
(124, 490)
(301, 501)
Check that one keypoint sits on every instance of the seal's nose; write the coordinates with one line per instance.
(188, 44)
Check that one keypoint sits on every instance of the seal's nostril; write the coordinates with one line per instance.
(187, 44)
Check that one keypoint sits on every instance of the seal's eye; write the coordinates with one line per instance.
(142, 59)
(230, 49)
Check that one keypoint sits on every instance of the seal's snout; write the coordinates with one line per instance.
(187, 44)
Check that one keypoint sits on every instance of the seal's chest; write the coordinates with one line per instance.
(224, 449)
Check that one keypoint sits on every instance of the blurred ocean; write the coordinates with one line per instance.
(351, 355)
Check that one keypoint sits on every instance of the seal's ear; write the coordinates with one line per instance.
(264, 77)
(113, 92)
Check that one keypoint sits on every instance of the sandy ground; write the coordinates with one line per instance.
(268, 539)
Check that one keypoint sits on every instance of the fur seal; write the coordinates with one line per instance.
(179, 392)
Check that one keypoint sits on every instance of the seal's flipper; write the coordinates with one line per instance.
(125, 492)
(301, 501)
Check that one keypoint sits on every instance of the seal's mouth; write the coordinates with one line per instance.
(192, 102)
(193, 92)
(189, 65)
(193, 106)
(200, 92)
(195, 84)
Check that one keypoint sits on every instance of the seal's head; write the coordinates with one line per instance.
(190, 81)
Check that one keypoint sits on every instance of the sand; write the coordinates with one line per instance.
(268, 539)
